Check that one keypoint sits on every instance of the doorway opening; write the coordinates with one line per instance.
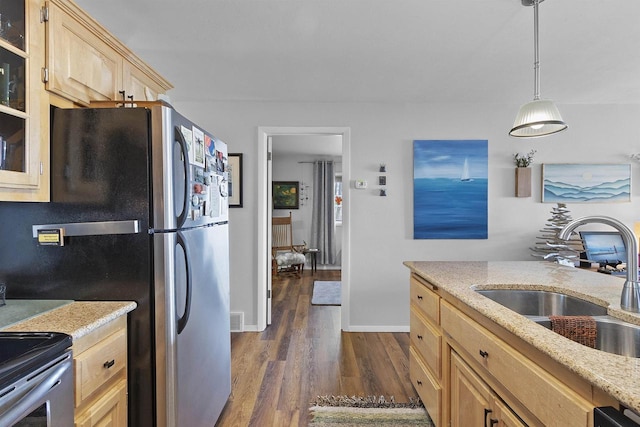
(285, 135)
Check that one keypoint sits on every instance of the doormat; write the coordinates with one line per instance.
(326, 293)
(358, 411)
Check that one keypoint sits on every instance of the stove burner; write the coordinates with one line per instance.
(21, 352)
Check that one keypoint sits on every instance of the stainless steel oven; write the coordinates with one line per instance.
(36, 380)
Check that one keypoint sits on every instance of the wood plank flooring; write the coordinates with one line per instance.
(304, 354)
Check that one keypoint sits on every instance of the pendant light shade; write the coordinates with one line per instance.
(539, 117)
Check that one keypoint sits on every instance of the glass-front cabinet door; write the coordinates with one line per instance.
(21, 122)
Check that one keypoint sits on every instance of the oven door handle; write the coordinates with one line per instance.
(34, 396)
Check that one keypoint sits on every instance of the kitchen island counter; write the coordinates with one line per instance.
(618, 376)
(77, 319)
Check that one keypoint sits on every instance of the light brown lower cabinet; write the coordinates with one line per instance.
(100, 375)
(109, 409)
(425, 353)
(473, 403)
(469, 371)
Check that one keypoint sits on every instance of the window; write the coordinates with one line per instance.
(337, 198)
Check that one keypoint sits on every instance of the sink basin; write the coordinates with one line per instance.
(542, 303)
(613, 336)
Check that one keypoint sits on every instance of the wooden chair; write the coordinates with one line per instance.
(285, 256)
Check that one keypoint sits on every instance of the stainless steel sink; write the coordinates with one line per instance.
(542, 303)
(613, 335)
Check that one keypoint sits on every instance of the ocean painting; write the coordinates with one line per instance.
(450, 184)
(586, 183)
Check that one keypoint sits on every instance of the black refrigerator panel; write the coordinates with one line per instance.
(100, 163)
(99, 172)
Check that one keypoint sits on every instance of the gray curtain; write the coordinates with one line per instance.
(322, 223)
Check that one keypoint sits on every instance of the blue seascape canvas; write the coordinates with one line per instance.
(450, 189)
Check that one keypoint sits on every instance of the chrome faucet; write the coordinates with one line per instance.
(630, 298)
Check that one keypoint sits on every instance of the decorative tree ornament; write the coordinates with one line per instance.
(550, 247)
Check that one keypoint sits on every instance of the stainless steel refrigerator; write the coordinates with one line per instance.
(140, 198)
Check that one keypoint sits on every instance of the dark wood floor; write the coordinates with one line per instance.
(304, 354)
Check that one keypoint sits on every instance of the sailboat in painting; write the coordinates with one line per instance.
(465, 171)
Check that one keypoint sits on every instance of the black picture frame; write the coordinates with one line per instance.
(285, 194)
(235, 180)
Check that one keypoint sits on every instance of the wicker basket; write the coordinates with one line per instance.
(581, 329)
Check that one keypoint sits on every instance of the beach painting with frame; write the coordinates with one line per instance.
(586, 183)
(450, 189)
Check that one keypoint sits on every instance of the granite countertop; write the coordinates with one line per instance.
(17, 310)
(619, 376)
(78, 318)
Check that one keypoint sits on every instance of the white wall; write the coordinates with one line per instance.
(381, 227)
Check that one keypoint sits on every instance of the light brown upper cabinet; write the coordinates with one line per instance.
(24, 125)
(85, 63)
(53, 53)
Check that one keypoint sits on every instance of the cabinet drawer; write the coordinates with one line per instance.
(427, 341)
(98, 364)
(527, 382)
(428, 388)
(426, 299)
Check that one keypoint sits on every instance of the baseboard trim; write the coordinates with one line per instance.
(251, 328)
(353, 328)
(376, 328)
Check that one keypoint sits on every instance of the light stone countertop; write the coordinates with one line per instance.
(619, 376)
(76, 319)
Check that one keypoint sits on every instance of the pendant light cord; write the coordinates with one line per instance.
(536, 53)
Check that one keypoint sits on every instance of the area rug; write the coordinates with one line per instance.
(326, 293)
(344, 411)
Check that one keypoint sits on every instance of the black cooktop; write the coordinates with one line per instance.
(22, 352)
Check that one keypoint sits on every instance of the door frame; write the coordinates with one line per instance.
(264, 215)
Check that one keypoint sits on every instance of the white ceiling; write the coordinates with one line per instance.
(383, 50)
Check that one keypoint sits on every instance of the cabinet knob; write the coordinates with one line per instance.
(419, 297)
(419, 337)
(484, 354)
(109, 364)
(418, 382)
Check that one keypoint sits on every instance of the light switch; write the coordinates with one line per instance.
(361, 184)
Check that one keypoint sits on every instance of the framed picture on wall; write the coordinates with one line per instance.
(450, 189)
(235, 180)
(285, 195)
(586, 183)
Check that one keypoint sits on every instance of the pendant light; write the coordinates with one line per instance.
(539, 117)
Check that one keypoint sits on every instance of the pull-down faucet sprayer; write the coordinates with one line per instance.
(630, 298)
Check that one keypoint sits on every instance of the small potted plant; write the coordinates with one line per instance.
(523, 173)
(523, 161)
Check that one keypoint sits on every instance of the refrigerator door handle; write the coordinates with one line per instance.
(182, 320)
(187, 177)
(91, 228)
